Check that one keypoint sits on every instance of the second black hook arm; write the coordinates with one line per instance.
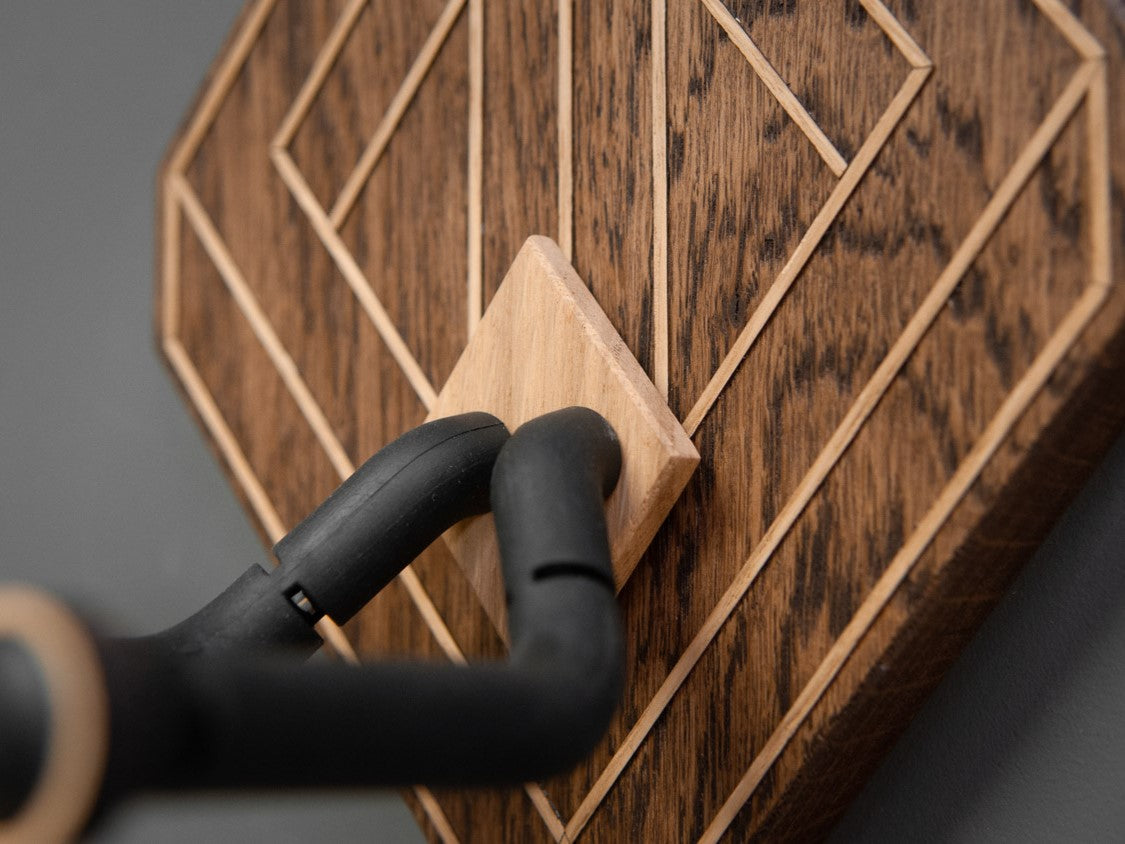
(354, 543)
(214, 703)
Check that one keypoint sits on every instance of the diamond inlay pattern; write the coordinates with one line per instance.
(800, 216)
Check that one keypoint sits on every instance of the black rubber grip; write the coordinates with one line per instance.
(207, 709)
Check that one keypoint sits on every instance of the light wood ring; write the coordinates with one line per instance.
(72, 772)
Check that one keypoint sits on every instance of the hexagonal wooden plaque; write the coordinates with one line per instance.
(870, 251)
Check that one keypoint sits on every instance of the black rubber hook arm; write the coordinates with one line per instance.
(192, 710)
(356, 542)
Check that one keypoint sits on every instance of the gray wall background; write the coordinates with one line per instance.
(109, 495)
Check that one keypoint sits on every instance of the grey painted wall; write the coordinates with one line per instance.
(108, 494)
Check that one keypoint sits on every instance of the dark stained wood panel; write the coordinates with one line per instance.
(744, 184)
(890, 317)
(612, 132)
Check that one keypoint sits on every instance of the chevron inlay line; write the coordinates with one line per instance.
(259, 500)
(781, 92)
(990, 440)
(178, 197)
(1083, 81)
(348, 267)
(217, 91)
(327, 226)
(900, 103)
(921, 67)
(322, 66)
(1088, 84)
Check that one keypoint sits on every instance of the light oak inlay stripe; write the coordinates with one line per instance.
(322, 66)
(1101, 207)
(353, 186)
(566, 127)
(228, 446)
(1080, 38)
(259, 323)
(660, 328)
(169, 261)
(922, 66)
(777, 86)
(904, 42)
(436, 814)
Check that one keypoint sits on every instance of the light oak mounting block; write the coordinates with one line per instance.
(542, 345)
(869, 254)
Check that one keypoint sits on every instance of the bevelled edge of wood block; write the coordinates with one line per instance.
(544, 344)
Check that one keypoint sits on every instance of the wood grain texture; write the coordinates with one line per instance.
(896, 372)
(545, 344)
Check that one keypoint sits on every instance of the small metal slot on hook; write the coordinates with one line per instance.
(303, 603)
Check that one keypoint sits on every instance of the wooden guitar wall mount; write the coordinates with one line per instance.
(866, 257)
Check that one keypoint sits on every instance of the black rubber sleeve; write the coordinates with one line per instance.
(353, 544)
(250, 717)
